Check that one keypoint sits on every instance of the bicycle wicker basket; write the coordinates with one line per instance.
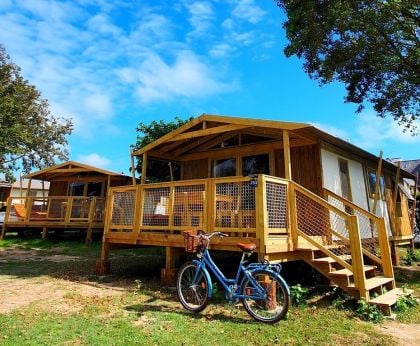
(191, 241)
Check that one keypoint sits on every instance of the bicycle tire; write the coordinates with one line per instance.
(275, 307)
(192, 295)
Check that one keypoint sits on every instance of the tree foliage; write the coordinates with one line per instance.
(372, 46)
(148, 133)
(30, 137)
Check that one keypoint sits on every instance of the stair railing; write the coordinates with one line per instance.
(374, 238)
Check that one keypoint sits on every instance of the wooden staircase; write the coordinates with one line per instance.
(380, 290)
(346, 244)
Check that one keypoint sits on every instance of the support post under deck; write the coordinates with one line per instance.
(168, 274)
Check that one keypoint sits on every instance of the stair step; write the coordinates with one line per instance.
(347, 272)
(374, 282)
(389, 298)
(330, 259)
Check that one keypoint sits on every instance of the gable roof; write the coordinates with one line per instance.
(69, 169)
(213, 125)
(207, 130)
(412, 166)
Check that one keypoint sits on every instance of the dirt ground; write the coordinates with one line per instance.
(19, 292)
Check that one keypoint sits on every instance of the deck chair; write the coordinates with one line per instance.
(21, 212)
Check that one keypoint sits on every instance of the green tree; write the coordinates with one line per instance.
(158, 170)
(372, 46)
(30, 137)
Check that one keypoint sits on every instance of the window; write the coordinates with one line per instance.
(258, 164)
(94, 189)
(223, 168)
(371, 175)
(76, 189)
(344, 179)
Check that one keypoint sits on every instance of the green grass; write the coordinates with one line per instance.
(143, 312)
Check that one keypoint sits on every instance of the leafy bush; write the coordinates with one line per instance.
(298, 294)
(369, 312)
(404, 303)
(411, 256)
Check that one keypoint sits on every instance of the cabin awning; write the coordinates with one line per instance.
(403, 189)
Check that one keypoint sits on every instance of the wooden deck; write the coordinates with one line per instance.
(57, 212)
(285, 221)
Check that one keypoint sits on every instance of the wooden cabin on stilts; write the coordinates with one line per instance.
(295, 191)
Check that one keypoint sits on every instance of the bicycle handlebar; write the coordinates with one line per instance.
(210, 235)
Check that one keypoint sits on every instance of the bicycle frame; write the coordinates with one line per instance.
(231, 286)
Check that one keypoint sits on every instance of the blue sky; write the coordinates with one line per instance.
(109, 65)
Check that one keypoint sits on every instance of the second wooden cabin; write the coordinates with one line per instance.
(75, 200)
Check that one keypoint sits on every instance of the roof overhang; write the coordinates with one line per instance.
(70, 169)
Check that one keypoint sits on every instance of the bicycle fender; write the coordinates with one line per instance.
(207, 274)
(270, 272)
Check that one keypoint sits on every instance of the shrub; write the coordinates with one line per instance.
(298, 294)
(369, 312)
(404, 303)
(411, 256)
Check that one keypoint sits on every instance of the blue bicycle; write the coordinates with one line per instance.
(262, 291)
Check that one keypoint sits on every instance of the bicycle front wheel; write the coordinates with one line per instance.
(192, 287)
(274, 306)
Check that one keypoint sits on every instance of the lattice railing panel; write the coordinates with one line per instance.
(99, 212)
(123, 208)
(156, 206)
(188, 205)
(276, 204)
(367, 226)
(235, 205)
(323, 225)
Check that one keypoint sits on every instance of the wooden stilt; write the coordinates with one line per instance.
(44, 232)
(103, 266)
(168, 274)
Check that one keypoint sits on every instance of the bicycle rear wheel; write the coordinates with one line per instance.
(274, 307)
(193, 294)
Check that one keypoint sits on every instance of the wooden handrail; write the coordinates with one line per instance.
(352, 205)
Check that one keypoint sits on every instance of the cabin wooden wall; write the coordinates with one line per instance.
(399, 214)
(306, 166)
(195, 169)
(58, 188)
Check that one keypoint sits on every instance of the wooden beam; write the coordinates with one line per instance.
(168, 136)
(169, 147)
(195, 143)
(413, 214)
(206, 132)
(246, 149)
(215, 140)
(133, 169)
(254, 122)
(377, 184)
(144, 168)
(286, 150)
(397, 180)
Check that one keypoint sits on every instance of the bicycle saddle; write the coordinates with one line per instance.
(248, 247)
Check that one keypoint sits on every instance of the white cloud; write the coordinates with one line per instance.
(249, 11)
(332, 130)
(95, 160)
(201, 16)
(186, 77)
(373, 131)
(99, 104)
(221, 50)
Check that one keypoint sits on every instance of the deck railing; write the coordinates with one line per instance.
(57, 209)
(234, 205)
